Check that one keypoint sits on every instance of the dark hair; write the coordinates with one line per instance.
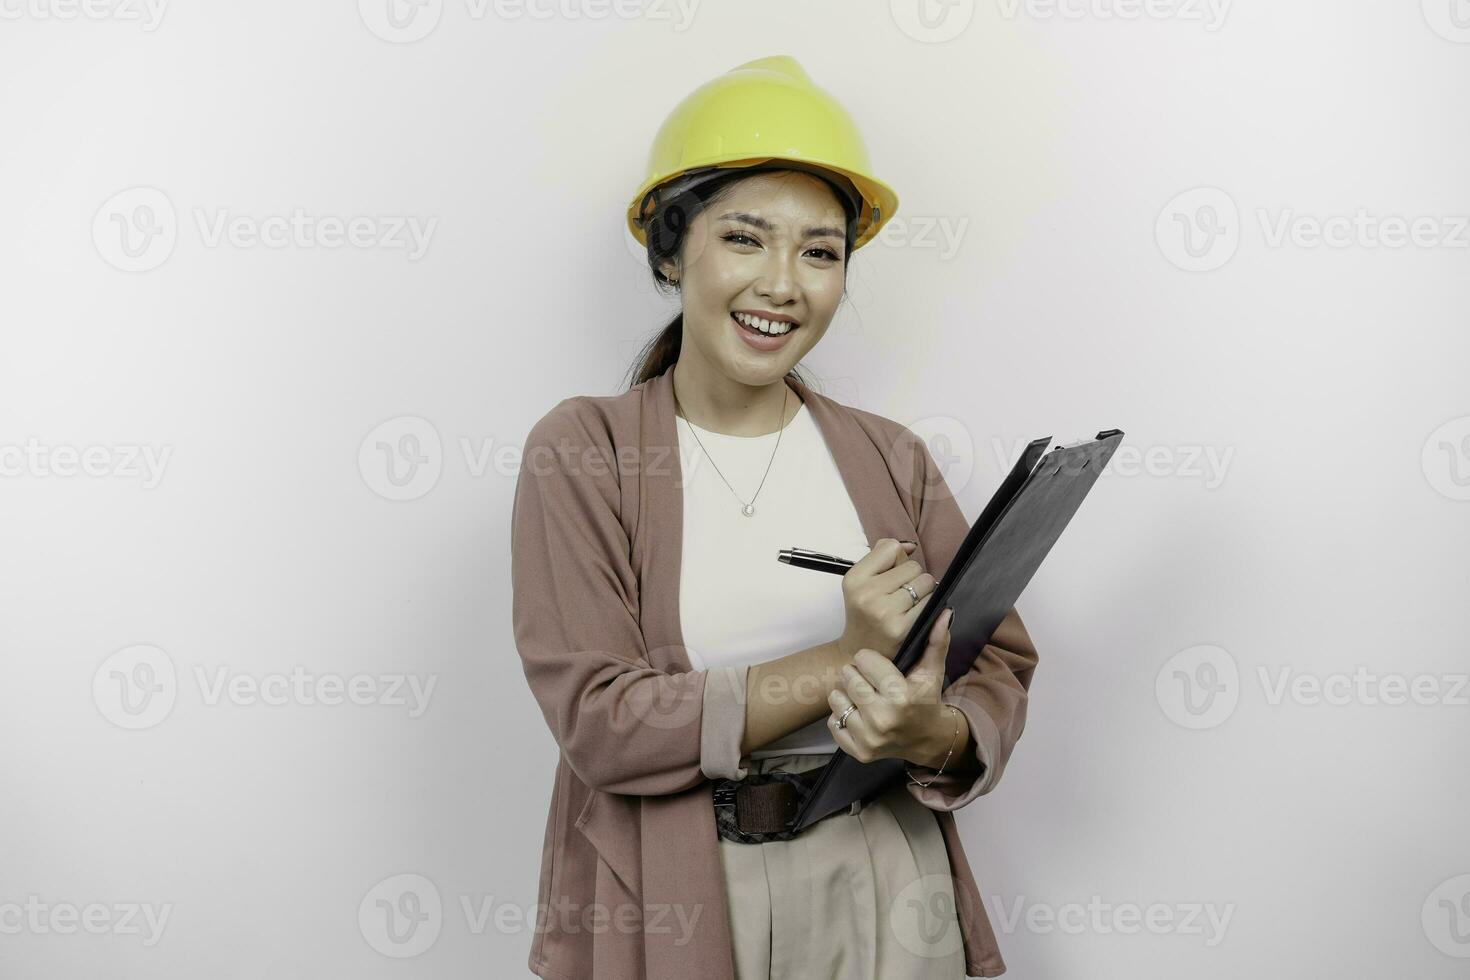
(675, 206)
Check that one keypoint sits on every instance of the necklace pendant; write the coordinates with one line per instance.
(748, 509)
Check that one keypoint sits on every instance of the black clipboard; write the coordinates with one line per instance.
(1000, 554)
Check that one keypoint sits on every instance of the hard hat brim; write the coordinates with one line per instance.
(878, 202)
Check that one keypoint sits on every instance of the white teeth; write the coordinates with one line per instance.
(764, 326)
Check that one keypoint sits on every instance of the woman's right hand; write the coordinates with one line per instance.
(880, 611)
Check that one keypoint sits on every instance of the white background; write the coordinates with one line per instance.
(1294, 503)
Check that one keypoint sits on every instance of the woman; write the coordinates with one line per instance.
(657, 630)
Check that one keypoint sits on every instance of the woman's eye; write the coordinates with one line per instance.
(741, 238)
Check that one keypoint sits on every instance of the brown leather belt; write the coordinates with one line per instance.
(762, 806)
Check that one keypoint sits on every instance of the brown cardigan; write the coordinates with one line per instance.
(631, 878)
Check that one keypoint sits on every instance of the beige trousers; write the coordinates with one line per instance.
(857, 896)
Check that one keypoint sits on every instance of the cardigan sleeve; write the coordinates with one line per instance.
(992, 695)
(623, 725)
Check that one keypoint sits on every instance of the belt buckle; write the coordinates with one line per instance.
(727, 813)
(724, 793)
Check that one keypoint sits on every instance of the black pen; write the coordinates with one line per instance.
(815, 560)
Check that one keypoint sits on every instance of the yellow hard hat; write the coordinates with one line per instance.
(764, 112)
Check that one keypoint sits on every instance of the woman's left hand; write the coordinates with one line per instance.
(895, 715)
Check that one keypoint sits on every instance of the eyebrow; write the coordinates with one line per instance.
(765, 225)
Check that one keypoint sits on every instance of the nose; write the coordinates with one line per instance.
(777, 284)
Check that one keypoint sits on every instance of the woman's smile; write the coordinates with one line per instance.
(762, 334)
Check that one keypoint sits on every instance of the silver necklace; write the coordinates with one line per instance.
(747, 508)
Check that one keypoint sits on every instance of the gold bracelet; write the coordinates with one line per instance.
(952, 740)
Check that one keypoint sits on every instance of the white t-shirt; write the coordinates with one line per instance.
(737, 604)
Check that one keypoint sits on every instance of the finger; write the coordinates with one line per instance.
(843, 736)
(937, 644)
(929, 672)
(854, 736)
(939, 632)
(923, 584)
(885, 553)
(838, 703)
(905, 571)
(912, 616)
(876, 672)
(858, 688)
